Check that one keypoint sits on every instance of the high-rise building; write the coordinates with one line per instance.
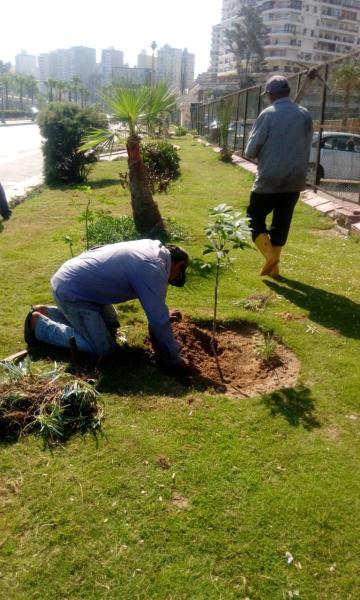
(26, 64)
(187, 70)
(176, 67)
(82, 63)
(110, 59)
(310, 31)
(64, 65)
(145, 61)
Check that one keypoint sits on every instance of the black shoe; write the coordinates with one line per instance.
(29, 335)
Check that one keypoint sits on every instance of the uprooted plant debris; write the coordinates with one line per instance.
(53, 404)
(251, 362)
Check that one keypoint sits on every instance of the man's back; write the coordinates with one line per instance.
(280, 140)
(114, 273)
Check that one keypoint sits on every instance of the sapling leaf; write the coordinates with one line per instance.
(229, 231)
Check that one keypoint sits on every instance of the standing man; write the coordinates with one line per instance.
(5, 211)
(86, 287)
(280, 140)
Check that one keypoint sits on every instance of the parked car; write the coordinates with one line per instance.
(339, 156)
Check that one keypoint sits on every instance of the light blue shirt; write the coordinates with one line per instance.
(280, 139)
(119, 272)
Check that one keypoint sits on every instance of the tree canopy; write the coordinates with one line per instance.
(245, 39)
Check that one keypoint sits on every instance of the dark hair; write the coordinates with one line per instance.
(178, 254)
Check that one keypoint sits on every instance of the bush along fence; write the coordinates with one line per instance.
(333, 102)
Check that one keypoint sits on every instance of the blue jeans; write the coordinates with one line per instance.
(93, 326)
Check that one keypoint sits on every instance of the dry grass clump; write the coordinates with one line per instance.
(52, 403)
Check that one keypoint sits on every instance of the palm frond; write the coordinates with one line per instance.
(103, 139)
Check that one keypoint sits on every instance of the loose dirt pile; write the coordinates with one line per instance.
(241, 349)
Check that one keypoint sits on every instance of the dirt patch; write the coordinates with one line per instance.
(179, 501)
(240, 349)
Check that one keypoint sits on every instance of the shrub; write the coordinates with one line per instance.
(63, 124)
(106, 229)
(180, 131)
(161, 162)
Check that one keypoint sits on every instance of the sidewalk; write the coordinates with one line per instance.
(13, 122)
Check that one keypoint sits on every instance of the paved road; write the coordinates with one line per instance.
(21, 158)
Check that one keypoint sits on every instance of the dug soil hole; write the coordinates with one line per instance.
(251, 362)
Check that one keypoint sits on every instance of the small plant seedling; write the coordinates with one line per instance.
(227, 231)
(68, 240)
(87, 215)
(267, 349)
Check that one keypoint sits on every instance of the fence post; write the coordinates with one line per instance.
(259, 101)
(321, 124)
(245, 119)
(236, 120)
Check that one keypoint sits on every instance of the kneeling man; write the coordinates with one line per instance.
(86, 287)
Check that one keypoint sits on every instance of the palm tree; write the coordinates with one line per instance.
(84, 92)
(76, 83)
(21, 82)
(346, 79)
(137, 106)
(7, 81)
(31, 87)
(153, 47)
(61, 86)
(51, 84)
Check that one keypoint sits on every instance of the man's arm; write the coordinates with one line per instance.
(258, 136)
(151, 290)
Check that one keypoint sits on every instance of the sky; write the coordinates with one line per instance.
(130, 25)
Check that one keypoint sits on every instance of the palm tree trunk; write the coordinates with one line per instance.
(146, 213)
(345, 115)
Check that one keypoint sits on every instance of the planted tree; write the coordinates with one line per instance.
(63, 125)
(144, 106)
(227, 231)
(224, 115)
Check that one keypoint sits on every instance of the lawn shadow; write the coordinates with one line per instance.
(103, 183)
(1, 227)
(295, 404)
(130, 370)
(330, 310)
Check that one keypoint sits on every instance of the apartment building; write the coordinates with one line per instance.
(26, 64)
(64, 65)
(298, 31)
(110, 59)
(176, 67)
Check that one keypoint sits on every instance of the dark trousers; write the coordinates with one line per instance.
(282, 208)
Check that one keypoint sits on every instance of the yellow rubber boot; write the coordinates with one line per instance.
(264, 244)
(275, 272)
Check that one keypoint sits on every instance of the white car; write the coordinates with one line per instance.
(339, 156)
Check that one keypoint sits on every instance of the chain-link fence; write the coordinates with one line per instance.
(334, 163)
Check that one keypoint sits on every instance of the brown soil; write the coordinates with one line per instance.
(244, 370)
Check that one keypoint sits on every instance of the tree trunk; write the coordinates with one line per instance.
(146, 213)
(345, 115)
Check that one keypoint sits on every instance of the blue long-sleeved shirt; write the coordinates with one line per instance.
(119, 272)
(280, 139)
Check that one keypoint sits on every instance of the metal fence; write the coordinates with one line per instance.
(334, 165)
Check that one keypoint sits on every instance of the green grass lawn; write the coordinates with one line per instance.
(249, 480)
